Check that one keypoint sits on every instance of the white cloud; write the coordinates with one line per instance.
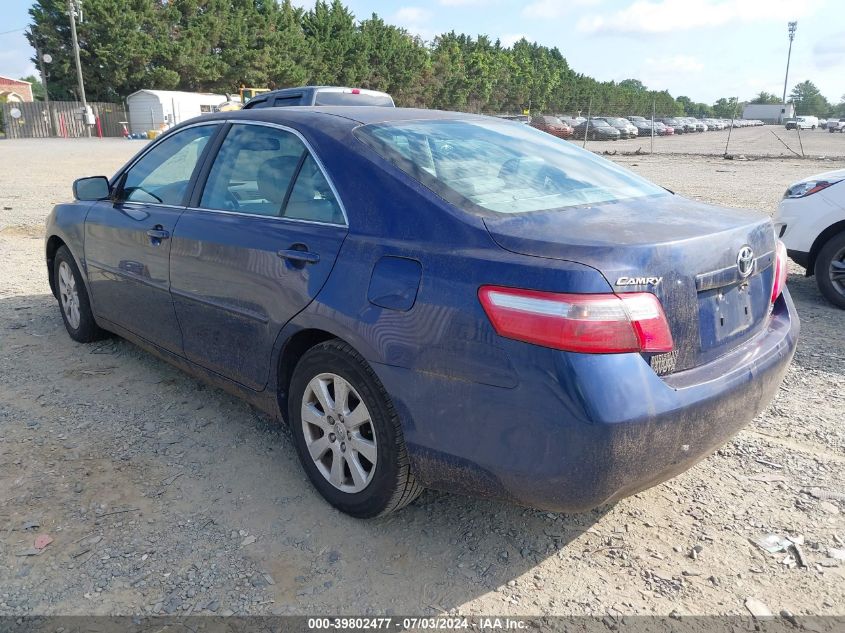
(411, 15)
(463, 3)
(509, 39)
(663, 16)
(659, 73)
(548, 9)
(413, 20)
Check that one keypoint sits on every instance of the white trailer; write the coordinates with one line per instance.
(158, 109)
(771, 114)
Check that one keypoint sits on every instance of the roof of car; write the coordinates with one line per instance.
(364, 115)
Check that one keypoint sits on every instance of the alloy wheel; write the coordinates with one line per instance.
(339, 432)
(69, 295)
(837, 271)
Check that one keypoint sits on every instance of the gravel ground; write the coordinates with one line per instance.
(748, 141)
(163, 495)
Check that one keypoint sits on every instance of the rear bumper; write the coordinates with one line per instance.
(580, 430)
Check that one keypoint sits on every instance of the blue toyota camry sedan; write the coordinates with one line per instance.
(434, 299)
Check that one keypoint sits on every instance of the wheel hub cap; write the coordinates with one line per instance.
(68, 295)
(339, 432)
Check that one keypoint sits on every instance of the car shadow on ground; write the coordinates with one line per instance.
(237, 473)
(817, 314)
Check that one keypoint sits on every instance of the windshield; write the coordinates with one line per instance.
(500, 166)
(599, 123)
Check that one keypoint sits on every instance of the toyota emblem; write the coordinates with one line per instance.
(745, 261)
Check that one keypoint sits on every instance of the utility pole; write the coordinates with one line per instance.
(72, 15)
(44, 85)
(791, 28)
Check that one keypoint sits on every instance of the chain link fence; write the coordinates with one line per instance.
(614, 131)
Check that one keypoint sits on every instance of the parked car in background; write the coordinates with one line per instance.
(552, 125)
(662, 129)
(693, 125)
(676, 124)
(625, 127)
(836, 126)
(568, 313)
(632, 129)
(811, 222)
(643, 128)
(597, 130)
(791, 123)
(803, 122)
(320, 95)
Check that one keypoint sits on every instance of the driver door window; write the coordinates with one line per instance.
(163, 174)
(261, 170)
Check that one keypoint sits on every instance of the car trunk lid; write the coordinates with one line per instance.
(685, 252)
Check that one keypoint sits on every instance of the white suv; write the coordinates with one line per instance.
(810, 220)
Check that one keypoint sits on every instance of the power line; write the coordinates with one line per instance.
(23, 28)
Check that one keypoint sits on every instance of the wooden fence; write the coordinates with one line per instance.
(61, 118)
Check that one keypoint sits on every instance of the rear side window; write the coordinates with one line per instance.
(262, 170)
(488, 165)
(330, 98)
(293, 100)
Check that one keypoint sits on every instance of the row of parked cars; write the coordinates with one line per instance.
(614, 128)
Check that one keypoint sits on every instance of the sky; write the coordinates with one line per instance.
(704, 49)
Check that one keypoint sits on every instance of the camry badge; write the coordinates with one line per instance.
(638, 281)
(745, 261)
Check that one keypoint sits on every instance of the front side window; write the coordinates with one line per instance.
(261, 170)
(483, 165)
(163, 174)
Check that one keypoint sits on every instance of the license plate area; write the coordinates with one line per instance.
(728, 313)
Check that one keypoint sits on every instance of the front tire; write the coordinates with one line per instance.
(73, 299)
(347, 433)
(830, 270)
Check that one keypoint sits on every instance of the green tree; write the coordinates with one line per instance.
(726, 108)
(808, 99)
(37, 87)
(339, 57)
(766, 98)
(633, 84)
(219, 45)
(121, 44)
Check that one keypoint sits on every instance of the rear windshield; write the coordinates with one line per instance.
(334, 98)
(502, 167)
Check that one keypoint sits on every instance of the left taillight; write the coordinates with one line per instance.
(779, 282)
(587, 323)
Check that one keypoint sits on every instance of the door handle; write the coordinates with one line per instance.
(158, 234)
(294, 255)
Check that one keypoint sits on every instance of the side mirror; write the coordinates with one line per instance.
(90, 189)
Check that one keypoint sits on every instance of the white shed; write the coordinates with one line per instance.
(152, 109)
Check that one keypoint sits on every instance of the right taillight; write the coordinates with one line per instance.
(587, 323)
(780, 271)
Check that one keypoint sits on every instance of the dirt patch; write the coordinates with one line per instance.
(164, 495)
(23, 230)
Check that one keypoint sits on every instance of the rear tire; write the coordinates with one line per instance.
(73, 299)
(830, 270)
(350, 425)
